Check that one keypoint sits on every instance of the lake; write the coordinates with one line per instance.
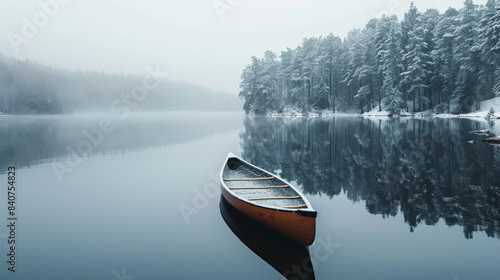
(98, 197)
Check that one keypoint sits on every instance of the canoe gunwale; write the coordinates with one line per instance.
(308, 212)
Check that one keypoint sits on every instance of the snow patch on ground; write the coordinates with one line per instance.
(330, 113)
(491, 103)
(483, 113)
(484, 109)
(473, 115)
(375, 112)
(495, 128)
(295, 113)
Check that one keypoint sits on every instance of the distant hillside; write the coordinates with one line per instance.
(30, 88)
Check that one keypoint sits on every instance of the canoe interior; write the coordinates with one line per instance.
(274, 188)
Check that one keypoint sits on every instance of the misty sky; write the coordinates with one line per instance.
(189, 39)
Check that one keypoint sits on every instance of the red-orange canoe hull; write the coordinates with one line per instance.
(297, 227)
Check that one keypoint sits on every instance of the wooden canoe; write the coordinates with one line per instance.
(268, 199)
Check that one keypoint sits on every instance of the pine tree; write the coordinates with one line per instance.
(490, 37)
(371, 64)
(468, 52)
(389, 56)
(416, 60)
(332, 46)
(495, 23)
(443, 57)
(249, 88)
(487, 39)
(353, 61)
(285, 72)
(430, 20)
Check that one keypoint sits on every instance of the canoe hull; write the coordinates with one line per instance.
(291, 224)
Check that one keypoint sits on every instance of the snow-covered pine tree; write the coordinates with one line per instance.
(468, 51)
(269, 81)
(355, 52)
(488, 38)
(443, 57)
(285, 75)
(495, 31)
(297, 92)
(389, 56)
(249, 86)
(430, 19)
(329, 69)
(415, 75)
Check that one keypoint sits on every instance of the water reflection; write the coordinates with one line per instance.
(425, 169)
(290, 259)
(29, 140)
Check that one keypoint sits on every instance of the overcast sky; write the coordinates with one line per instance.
(206, 42)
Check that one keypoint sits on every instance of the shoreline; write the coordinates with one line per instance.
(475, 115)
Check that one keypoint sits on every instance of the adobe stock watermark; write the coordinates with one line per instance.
(393, 7)
(201, 199)
(222, 7)
(49, 9)
(321, 251)
(120, 108)
(121, 276)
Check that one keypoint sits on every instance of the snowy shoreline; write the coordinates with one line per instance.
(483, 113)
(384, 114)
(473, 115)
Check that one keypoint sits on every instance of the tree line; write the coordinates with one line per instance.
(30, 88)
(447, 62)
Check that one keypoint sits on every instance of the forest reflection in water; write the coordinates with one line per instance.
(32, 140)
(425, 169)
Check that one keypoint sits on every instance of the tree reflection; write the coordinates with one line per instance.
(30, 140)
(424, 168)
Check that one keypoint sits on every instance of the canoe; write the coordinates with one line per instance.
(281, 253)
(268, 199)
(480, 132)
(493, 141)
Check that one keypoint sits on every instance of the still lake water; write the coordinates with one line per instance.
(396, 198)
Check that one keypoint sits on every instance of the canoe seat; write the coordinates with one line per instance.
(259, 188)
(275, 197)
(249, 179)
(295, 207)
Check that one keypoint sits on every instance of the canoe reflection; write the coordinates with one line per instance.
(288, 258)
